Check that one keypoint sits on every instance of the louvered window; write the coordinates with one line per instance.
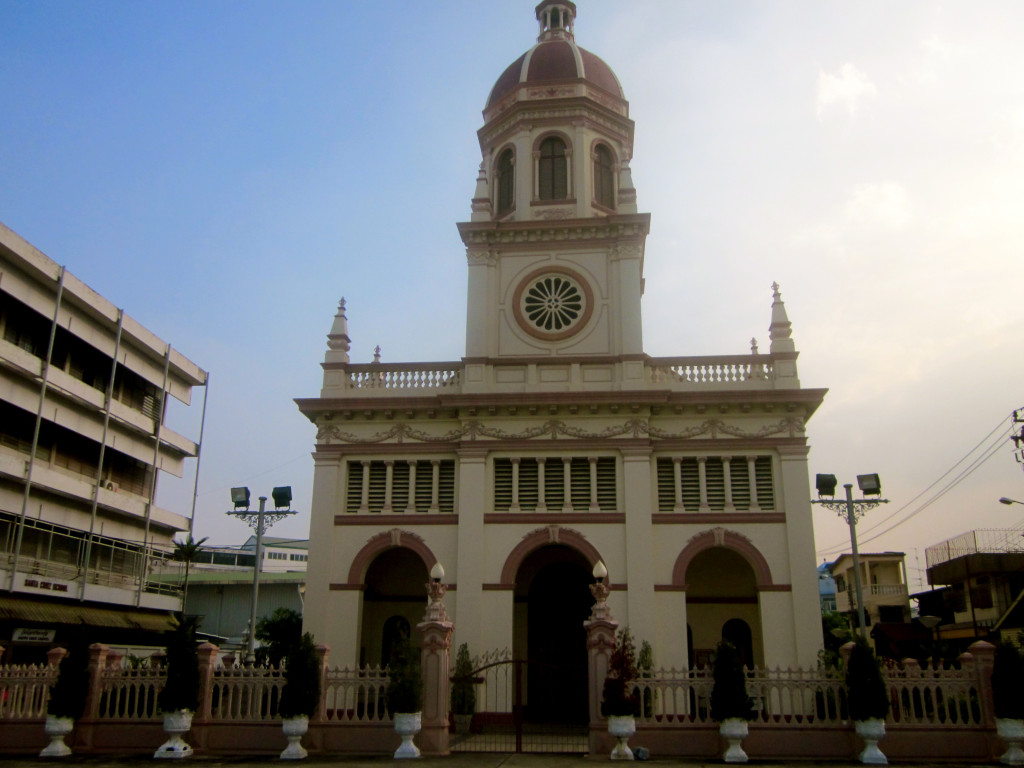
(517, 484)
(604, 178)
(506, 179)
(369, 482)
(552, 170)
(715, 478)
(763, 480)
(715, 494)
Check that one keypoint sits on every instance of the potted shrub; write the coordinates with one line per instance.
(179, 697)
(868, 700)
(463, 690)
(300, 696)
(1007, 701)
(67, 699)
(731, 707)
(405, 695)
(620, 702)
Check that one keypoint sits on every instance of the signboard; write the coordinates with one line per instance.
(30, 635)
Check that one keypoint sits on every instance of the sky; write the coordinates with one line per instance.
(226, 171)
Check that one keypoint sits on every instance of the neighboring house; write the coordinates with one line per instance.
(826, 589)
(86, 385)
(981, 573)
(555, 442)
(883, 584)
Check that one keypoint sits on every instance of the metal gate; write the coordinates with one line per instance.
(505, 721)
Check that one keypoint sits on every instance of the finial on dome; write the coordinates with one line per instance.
(556, 19)
(338, 342)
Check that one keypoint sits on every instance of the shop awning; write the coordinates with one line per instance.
(13, 609)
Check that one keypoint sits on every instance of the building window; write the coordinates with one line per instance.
(506, 182)
(426, 485)
(298, 558)
(552, 170)
(604, 177)
(556, 484)
(715, 484)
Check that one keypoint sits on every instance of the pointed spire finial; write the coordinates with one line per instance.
(781, 330)
(376, 354)
(338, 342)
(753, 346)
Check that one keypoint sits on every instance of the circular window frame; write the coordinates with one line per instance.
(539, 333)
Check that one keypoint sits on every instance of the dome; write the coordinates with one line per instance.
(555, 58)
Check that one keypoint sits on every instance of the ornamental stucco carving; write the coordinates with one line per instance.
(555, 213)
(555, 428)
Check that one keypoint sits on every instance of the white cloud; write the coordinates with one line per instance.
(886, 206)
(848, 88)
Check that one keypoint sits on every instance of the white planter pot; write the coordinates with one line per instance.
(1011, 731)
(621, 727)
(872, 731)
(176, 725)
(407, 725)
(294, 729)
(57, 728)
(734, 730)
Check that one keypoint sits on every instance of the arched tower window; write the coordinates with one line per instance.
(604, 177)
(552, 170)
(506, 181)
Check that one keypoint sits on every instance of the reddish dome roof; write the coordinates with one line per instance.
(553, 61)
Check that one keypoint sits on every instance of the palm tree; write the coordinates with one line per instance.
(186, 551)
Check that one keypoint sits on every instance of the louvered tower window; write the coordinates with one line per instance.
(529, 484)
(506, 181)
(604, 177)
(552, 170)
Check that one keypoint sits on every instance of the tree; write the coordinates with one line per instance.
(278, 634)
(185, 552)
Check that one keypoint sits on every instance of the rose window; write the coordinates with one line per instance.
(553, 303)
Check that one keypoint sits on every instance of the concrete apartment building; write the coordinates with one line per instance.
(883, 578)
(82, 443)
(556, 441)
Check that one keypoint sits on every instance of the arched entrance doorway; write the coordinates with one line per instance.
(392, 602)
(722, 603)
(552, 600)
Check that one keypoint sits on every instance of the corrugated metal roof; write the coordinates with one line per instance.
(57, 613)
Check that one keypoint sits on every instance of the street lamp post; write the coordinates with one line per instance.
(1008, 501)
(259, 522)
(851, 510)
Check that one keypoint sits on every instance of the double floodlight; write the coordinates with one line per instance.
(869, 485)
(282, 497)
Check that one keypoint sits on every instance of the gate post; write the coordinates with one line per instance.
(435, 644)
(600, 646)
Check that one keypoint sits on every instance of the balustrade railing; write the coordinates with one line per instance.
(404, 376)
(129, 693)
(250, 694)
(24, 690)
(355, 695)
(723, 369)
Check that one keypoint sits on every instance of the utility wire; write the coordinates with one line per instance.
(988, 452)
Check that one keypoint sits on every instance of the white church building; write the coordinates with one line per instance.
(556, 442)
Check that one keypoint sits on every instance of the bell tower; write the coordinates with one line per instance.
(555, 245)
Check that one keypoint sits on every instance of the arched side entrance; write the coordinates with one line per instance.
(393, 600)
(722, 603)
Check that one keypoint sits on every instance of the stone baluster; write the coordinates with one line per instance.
(435, 647)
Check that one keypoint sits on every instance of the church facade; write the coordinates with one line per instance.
(556, 443)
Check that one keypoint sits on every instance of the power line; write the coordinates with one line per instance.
(987, 453)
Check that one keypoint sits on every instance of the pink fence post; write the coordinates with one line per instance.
(322, 654)
(54, 656)
(436, 643)
(207, 653)
(981, 656)
(600, 628)
(97, 665)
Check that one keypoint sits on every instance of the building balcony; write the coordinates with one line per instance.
(874, 595)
